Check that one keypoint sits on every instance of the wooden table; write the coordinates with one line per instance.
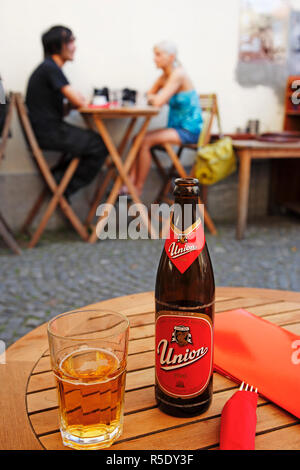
(247, 150)
(29, 415)
(95, 117)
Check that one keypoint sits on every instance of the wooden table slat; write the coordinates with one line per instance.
(284, 319)
(205, 433)
(294, 328)
(274, 308)
(281, 439)
(195, 433)
(240, 303)
(135, 400)
(146, 421)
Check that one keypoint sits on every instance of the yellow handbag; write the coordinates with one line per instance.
(215, 162)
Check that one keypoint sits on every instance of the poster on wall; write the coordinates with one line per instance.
(294, 44)
(263, 51)
(264, 26)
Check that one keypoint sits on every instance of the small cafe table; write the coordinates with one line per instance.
(95, 117)
(28, 401)
(247, 150)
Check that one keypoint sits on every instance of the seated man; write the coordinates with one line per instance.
(49, 97)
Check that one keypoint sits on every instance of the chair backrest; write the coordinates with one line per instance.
(209, 104)
(25, 124)
(31, 140)
(7, 125)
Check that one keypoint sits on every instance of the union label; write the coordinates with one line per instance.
(183, 354)
(184, 247)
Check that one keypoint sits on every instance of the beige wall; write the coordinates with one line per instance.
(115, 39)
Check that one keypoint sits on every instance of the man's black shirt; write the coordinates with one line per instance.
(44, 99)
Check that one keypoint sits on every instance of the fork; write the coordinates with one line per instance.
(238, 420)
(246, 388)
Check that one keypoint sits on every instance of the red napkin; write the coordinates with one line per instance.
(252, 350)
(99, 106)
(238, 422)
(110, 104)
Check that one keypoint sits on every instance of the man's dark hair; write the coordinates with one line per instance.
(54, 39)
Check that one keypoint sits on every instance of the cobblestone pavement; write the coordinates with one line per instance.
(63, 273)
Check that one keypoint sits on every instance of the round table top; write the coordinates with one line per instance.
(29, 401)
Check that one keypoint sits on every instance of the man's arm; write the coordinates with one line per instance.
(74, 97)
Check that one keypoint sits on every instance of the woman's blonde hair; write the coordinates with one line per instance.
(170, 48)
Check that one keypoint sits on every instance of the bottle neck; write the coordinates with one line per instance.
(187, 211)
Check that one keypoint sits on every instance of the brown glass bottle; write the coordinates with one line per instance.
(184, 300)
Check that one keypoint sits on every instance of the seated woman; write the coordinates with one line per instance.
(185, 116)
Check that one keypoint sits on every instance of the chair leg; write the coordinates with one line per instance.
(8, 238)
(58, 198)
(98, 196)
(49, 211)
(161, 169)
(166, 186)
(175, 160)
(204, 194)
(75, 221)
(65, 206)
(166, 175)
(210, 225)
(34, 210)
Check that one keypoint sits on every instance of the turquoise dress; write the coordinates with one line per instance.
(185, 115)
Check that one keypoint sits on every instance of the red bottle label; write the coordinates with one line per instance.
(183, 354)
(184, 247)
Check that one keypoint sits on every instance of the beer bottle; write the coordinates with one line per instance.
(184, 302)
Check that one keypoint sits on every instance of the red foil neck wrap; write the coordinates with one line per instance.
(183, 247)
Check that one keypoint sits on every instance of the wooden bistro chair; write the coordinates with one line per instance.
(57, 190)
(5, 230)
(210, 110)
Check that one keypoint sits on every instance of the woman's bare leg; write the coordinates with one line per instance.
(134, 169)
(143, 160)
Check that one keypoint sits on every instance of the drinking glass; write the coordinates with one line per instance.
(88, 350)
(115, 98)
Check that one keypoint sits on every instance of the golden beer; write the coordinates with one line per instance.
(91, 384)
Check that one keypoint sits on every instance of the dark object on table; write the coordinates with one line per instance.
(253, 126)
(128, 97)
(102, 92)
(280, 137)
